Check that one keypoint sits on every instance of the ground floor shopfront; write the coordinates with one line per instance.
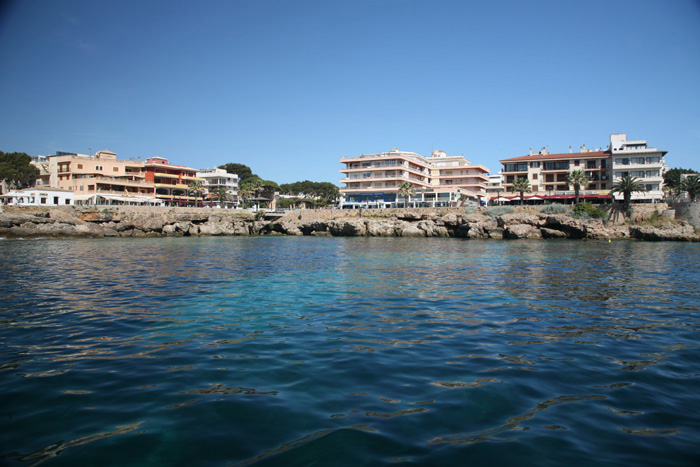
(420, 199)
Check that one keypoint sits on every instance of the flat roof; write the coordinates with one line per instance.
(567, 155)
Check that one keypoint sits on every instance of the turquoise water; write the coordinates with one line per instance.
(348, 351)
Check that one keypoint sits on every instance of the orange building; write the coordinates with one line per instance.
(172, 182)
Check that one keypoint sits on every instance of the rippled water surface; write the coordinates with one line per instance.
(349, 351)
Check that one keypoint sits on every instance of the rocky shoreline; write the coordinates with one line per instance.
(75, 222)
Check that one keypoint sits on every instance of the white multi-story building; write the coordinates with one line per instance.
(495, 185)
(547, 173)
(636, 159)
(218, 178)
(439, 180)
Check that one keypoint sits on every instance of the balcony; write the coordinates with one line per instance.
(123, 181)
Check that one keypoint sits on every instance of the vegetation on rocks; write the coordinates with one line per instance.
(502, 223)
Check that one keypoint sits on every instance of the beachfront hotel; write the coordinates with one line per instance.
(439, 180)
(216, 178)
(97, 179)
(172, 182)
(547, 172)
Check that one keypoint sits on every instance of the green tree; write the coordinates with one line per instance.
(256, 186)
(244, 192)
(691, 185)
(221, 195)
(326, 192)
(522, 185)
(626, 186)
(197, 187)
(577, 179)
(406, 189)
(672, 179)
(16, 170)
(242, 170)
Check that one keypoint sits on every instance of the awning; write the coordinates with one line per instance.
(124, 199)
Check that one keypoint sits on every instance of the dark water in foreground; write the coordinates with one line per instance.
(349, 351)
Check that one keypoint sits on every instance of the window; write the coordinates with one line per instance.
(534, 165)
(652, 187)
(522, 167)
(590, 164)
(576, 162)
(80, 166)
(534, 176)
(535, 188)
(115, 169)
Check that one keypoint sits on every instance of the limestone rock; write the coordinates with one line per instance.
(348, 228)
(521, 231)
(383, 228)
(412, 230)
(682, 232)
(515, 218)
(211, 228)
(65, 217)
(95, 216)
(552, 233)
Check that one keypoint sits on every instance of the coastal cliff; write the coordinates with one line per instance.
(154, 222)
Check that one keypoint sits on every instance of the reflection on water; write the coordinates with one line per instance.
(352, 351)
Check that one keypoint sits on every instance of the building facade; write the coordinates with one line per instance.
(98, 179)
(38, 196)
(172, 182)
(637, 159)
(439, 180)
(215, 179)
(547, 173)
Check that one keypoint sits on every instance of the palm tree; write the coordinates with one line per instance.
(627, 185)
(197, 187)
(221, 194)
(244, 193)
(692, 186)
(406, 189)
(577, 178)
(256, 186)
(522, 185)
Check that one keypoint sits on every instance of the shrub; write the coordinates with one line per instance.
(555, 209)
(498, 211)
(470, 210)
(586, 210)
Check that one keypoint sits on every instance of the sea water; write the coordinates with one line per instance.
(348, 351)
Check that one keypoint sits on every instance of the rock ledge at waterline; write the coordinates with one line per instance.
(144, 222)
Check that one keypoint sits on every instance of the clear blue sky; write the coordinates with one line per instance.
(288, 87)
